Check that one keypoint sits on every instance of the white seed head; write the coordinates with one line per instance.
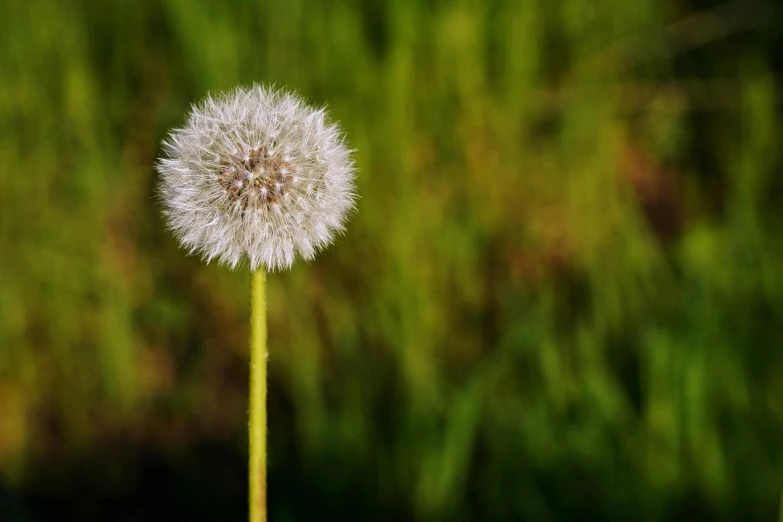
(258, 173)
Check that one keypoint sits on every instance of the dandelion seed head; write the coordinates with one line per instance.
(232, 179)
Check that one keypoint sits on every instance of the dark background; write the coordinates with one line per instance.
(561, 297)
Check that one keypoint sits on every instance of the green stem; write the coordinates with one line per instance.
(257, 428)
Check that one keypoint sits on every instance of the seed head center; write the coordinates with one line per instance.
(256, 179)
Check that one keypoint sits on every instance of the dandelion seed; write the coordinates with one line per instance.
(230, 179)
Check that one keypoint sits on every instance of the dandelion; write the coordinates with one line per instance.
(256, 174)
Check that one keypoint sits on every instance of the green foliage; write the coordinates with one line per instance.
(560, 297)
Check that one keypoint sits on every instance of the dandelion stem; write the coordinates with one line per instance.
(257, 428)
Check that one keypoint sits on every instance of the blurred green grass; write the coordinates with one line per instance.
(561, 295)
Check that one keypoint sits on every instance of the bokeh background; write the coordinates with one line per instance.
(561, 297)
